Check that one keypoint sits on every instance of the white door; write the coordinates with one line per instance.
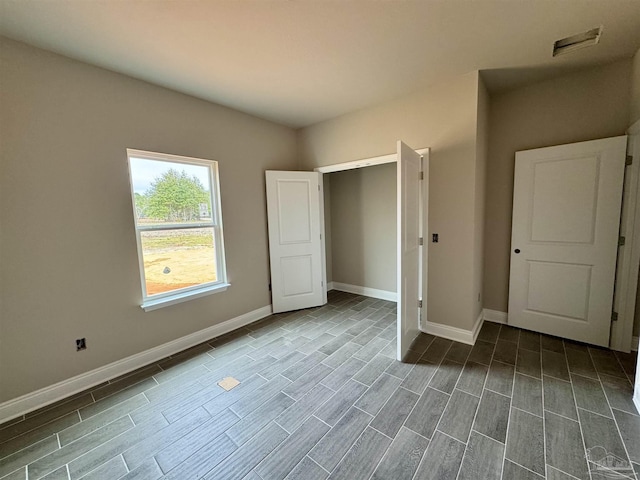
(409, 255)
(295, 245)
(564, 239)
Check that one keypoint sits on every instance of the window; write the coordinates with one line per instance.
(178, 221)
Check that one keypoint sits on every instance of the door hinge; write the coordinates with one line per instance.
(419, 303)
(318, 187)
(621, 241)
(321, 283)
(614, 316)
(421, 241)
(421, 175)
(629, 160)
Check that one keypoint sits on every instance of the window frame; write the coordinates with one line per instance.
(152, 302)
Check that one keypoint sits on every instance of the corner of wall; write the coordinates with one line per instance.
(635, 89)
(482, 142)
(88, 109)
(299, 133)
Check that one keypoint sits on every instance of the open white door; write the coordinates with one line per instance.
(409, 255)
(295, 244)
(566, 217)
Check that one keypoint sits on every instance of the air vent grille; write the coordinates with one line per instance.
(575, 42)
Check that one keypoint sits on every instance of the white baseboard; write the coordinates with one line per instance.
(45, 396)
(495, 316)
(366, 291)
(454, 333)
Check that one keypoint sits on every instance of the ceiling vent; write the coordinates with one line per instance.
(574, 42)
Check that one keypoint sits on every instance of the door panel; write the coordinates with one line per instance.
(562, 214)
(560, 289)
(409, 258)
(295, 248)
(566, 213)
(294, 212)
(297, 275)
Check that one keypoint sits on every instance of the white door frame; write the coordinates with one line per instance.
(323, 245)
(365, 162)
(628, 255)
(371, 162)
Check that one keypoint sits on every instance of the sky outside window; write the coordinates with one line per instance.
(144, 172)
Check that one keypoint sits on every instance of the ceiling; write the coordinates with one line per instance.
(299, 62)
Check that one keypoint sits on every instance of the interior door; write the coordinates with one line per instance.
(295, 245)
(409, 255)
(566, 216)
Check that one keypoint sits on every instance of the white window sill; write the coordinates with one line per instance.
(154, 304)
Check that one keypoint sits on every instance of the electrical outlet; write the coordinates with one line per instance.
(81, 344)
(434, 238)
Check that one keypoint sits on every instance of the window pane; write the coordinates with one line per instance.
(170, 192)
(175, 259)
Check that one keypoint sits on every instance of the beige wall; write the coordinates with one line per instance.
(635, 88)
(582, 106)
(363, 226)
(444, 118)
(68, 248)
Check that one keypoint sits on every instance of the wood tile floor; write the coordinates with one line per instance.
(321, 396)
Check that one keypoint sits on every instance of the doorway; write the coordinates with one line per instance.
(369, 227)
(360, 228)
(410, 215)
